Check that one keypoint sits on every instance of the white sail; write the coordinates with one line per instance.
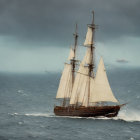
(71, 55)
(100, 88)
(79, 91)
(89, 36)
(65, 85)
(92, 86)
(87, 57)
(84, 94)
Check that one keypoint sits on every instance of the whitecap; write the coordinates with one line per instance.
(125, 115)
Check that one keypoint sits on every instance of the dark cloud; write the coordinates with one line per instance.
(52, 21)
(122, 61)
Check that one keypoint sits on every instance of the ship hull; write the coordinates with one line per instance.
(92, 111)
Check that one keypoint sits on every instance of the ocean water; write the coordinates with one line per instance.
(27, 101)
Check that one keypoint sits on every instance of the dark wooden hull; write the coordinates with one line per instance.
(91, 111)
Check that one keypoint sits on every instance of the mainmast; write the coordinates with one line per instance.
(91, 65)
(89, 42)
(81, 87)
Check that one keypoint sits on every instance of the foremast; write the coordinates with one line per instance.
(73, 61)
(68, 74)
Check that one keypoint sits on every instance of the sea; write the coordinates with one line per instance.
(27, 102)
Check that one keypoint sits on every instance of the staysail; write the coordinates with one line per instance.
(100, 89)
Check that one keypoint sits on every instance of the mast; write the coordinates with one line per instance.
(92, 48)
(68, 74)
(91, 65)
(75, 40)
(73, 61)
(89, 43)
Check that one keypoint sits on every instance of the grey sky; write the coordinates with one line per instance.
(32, 25)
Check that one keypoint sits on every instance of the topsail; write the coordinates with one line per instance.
(87, 57)
(89, 36)
(71, 55)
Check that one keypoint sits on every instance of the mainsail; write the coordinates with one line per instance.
(79, 92)
(100, 89)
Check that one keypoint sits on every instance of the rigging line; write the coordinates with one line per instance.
(83, 74)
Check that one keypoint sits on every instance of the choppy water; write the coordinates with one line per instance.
(26, 109)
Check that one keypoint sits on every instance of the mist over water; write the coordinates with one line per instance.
(27, 101)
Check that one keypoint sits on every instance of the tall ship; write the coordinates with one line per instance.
(82, 92)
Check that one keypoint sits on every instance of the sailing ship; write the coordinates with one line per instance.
(82, 92)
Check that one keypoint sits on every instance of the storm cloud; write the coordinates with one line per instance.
(35, 35)
(52, 21)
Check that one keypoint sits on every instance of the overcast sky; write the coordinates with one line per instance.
(35, 35)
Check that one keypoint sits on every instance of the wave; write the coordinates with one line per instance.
(33, 114)
(128, 116)
(40, 114)
(49, 115)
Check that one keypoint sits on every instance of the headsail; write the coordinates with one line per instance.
(101, 90)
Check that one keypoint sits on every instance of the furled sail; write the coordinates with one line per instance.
(65, 86)
(100, 90)
(71, 55)
(80, 87)
(89, 37)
